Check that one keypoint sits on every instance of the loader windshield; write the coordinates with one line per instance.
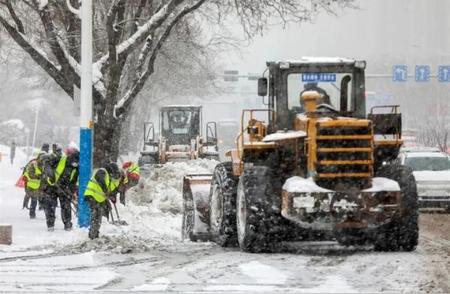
(179, 126)
(178, 121)
(328, 85)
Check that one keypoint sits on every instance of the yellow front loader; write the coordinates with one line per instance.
(319, 165)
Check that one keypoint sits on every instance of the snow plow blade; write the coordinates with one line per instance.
(195, 225)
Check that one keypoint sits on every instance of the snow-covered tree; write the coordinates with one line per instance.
(129, 36)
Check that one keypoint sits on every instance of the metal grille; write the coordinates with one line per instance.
(344, 154)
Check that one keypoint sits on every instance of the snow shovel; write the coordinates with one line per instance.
(117, 222)
(121, 222)
(73, 205)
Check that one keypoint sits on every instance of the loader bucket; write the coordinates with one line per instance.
(196, 207)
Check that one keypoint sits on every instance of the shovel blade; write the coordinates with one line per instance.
(119, 223)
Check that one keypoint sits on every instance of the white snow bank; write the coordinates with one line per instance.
(152, 211)
(162, 189)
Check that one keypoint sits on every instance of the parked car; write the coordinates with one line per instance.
(431, 168)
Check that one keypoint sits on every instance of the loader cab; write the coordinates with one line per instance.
(340, 82)
(180, 124)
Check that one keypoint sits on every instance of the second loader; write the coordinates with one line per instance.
(180, 137)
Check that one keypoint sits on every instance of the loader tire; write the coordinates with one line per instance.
(259, 221)
(402, 233)
(223, 205)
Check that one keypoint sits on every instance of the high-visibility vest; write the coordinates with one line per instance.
(33, 183)
(132, 169)
(59, 170)
(72, 175)
(95, 191)
(114, 184)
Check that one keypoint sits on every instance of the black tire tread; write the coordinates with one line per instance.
(403, 232)
(226, 234)
(264, 221)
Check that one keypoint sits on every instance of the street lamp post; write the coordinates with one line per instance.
(86, 122)
(36, 118)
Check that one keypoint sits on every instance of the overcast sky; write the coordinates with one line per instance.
(411, 31)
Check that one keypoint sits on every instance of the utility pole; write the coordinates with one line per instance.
(36, 118)
(86, 122)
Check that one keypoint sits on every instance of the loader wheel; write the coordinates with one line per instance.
(259, 221)
(403, 232)
(223, 205)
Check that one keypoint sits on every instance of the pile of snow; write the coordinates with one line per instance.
(152, 211)
(162, 189)
(120, 244)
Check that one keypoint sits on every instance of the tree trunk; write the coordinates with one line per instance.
(107, 131)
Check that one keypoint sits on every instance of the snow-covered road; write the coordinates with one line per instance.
(148, 255)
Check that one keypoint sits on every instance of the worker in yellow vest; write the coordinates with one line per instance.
(32, 174)
(60, 183)
(101, 189)
(131, 176)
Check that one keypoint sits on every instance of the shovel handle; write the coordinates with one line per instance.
(117, 212)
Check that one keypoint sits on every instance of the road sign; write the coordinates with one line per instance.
(231, 75)
(444, 73)
(423, 73)
(318, 77)
(400, 73)
(231, 72)
(253, 76)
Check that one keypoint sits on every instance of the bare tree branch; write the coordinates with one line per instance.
(39, 57)
(140, 81)
(154, 22)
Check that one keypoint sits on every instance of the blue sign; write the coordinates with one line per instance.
(444, 73)
(400, 73)
(319, 77)
(423, 73)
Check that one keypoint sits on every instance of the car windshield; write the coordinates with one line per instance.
(428, 163)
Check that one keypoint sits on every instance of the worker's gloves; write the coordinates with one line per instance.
(113, 199)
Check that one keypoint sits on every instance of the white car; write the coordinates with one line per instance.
(431, 168)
